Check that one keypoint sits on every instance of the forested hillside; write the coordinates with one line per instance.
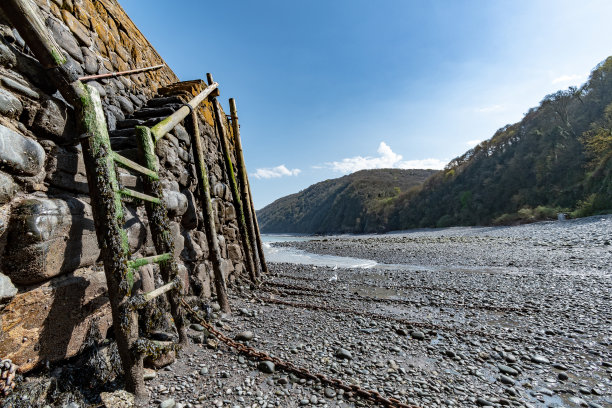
(354, 203)
(557, 158)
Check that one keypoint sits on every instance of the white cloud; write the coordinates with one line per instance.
(387, 158)
(472, 143)
(434, 164)
(569, 78)
(275, 172)
(490, 109)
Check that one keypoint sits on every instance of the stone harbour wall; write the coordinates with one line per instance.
(52, 286)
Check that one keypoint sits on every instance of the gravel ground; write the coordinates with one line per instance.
(517, 316)
(458, 317)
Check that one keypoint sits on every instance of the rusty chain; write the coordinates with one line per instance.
(375, 316)
(370, 395)
(7, 377)
(319, 293)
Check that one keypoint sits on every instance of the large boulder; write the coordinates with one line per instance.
(48, 237)
(20, 154)
(51, 321)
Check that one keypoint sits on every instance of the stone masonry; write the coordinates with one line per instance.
(52, 286)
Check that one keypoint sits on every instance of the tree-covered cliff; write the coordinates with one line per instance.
(557, 158)
(354, 203)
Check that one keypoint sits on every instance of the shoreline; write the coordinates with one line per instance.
(461, 328)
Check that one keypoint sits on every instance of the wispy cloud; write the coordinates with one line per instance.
(275, 172)
(386, 158)
(569, 78)
(472, 143)
(490, 109)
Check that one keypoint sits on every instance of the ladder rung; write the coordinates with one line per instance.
(135, 194)
(125, 162)
(136, 263)
(147, 297)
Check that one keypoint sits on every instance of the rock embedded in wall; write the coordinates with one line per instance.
(189, 220)
(51, 321)
(19, 154)
(175, 202)
(8, 188)
(66, 169)
(135, 230)
(204, 279)
(7, 289)
(54, 121)
(47, 238)
(10, 105)
(7, 56)
(234, 252)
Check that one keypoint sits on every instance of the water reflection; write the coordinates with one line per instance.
(298, 256)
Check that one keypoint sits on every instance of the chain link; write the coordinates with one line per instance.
(422, 325)
(372, 396)
(316, 292)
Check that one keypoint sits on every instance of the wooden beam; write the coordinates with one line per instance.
(31, 27)
(121, 73)
(127, 163)
(147, 297)
(229, 166)
(249, 214)
(209, 213)
(137, 263)
(158, 131)
(140, 196)
(159, 224)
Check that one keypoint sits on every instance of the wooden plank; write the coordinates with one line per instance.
(244, 189)
(147, 297)
(140, 196)
(137, 263)
(100, 169)
(125, 162)
(246, 245)
(209, 213)
(158, 131)
(159, 224)
(30, 25)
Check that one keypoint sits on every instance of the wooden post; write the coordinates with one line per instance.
(159, 224)
(264, 264)
(109, 218)
(246, 245)
(209, 215)
(245, 191)
(100, 168)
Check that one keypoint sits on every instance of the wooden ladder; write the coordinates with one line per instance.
(119, 266)
(106, 196)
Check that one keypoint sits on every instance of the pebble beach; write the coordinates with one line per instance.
(506, 316)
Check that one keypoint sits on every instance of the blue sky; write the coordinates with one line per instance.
(325, 88)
